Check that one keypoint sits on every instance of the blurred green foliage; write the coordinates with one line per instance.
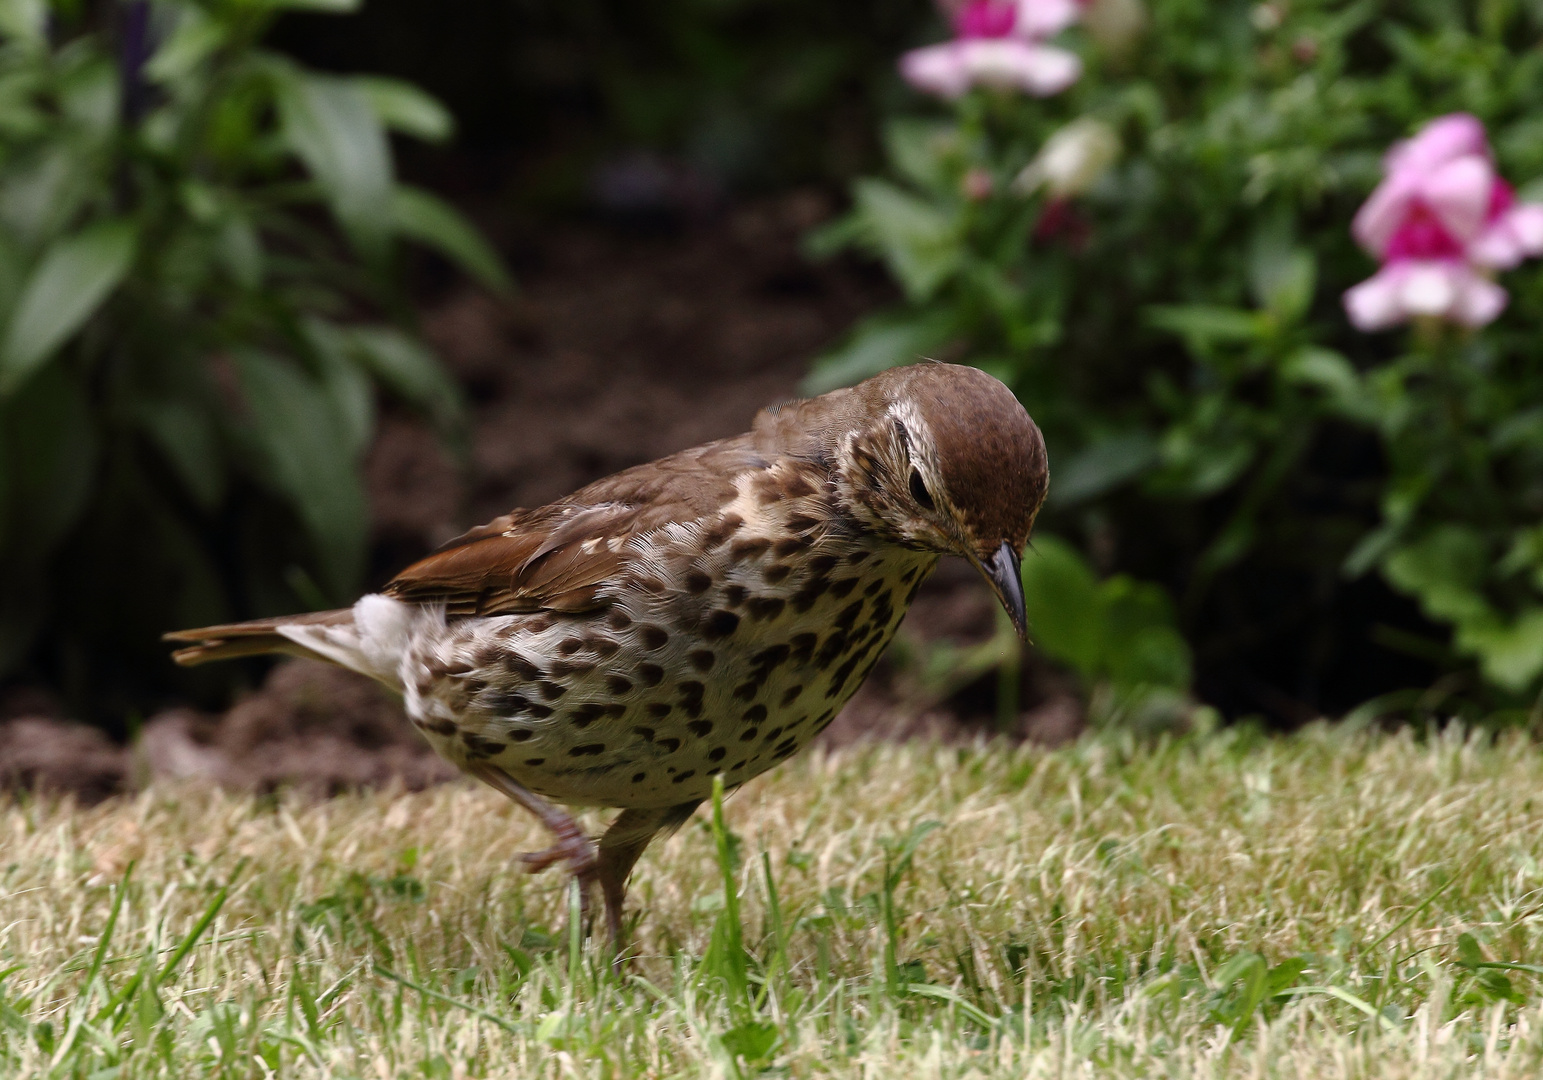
(1175, 327)
(199, 248)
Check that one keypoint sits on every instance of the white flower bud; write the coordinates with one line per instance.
(1071, 160)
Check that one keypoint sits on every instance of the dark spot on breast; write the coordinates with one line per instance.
(772, 734)
(791, 695)
(824, 721)
(469, 687)
(833, 647)
(719, 624)
(801, 523)
(702, 659)
(616, 710)
(697, 582)
(766, 607)
(669, 746)
(771, 658)
(519, 667)
(822, 564)
(440, 727)
(618, 684)
(586, 714)
(479, 746)
(539, 625)
(653, 637)
(700, 727)
(861, 555)
(587, 750)
(659, 710)
(650, 674)
(564, 668)
(749, 549)
(683, 777)
(873, 586)
(774, 573)
(639, 777)
(802, 646)
(910, 596)
(734, 595)
(810, 591)
(534, 761)
(736, 766)
(784, 748)
(749, 735)
(521, 734)
(840, 588)
(603, 646)
(720, 531)
(796, 486)
(645, 733)
(846, 618)
(792, 545)
(905, 578)
(754, 715)
(745, 691)
(618, 619)
(569, 646)
(551, 690)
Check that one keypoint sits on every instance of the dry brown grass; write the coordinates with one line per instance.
(1096, 910)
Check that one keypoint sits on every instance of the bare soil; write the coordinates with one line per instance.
(622, 345)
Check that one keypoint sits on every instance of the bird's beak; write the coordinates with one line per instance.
(1001, 569)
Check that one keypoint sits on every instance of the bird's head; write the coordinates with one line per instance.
(943, 458)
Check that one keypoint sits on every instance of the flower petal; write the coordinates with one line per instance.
(1458, 194)
(1040, 19)
(1384, 211)
(1040, 70)
(1374, 303)
(937, 69)
(1479, 300)
(1439, 141)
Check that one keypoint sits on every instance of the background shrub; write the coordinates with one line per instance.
(198, 261)
(1215, 424)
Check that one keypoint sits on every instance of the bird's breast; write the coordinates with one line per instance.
(720, 664)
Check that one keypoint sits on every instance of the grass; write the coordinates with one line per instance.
(1328, 905)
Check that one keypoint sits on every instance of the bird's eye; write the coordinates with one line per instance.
(920, 493)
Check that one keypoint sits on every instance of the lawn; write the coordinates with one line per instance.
(1326, 905)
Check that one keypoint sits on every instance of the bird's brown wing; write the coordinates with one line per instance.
(558, 557)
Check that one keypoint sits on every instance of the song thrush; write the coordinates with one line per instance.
(708, 613)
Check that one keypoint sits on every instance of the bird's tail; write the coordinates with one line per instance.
(254, 638)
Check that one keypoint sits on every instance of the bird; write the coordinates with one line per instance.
(702, 616)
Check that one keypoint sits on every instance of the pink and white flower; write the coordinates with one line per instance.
(1441, 221)
(999, 43)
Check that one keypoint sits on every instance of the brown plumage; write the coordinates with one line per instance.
(705, 614)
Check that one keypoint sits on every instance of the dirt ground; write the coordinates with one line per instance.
(623, 344)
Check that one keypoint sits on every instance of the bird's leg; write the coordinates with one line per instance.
(571, 847)
(620, 848)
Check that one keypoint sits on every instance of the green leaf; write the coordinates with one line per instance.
(73, 279)
(1140, 644)
(879, 342)
(1511, 655)
(24, 20)
(409, 369)
(330, 125)
(1064, 605)
(752, 1040)
(919, 150)
(919, 241)
(346, 380)
(1203, 324)
(185, 435)
(431, 221)
(196, 37)
(1103, 466)
(305, 448)
(403, 107)
(48, 456)
(1444, 569)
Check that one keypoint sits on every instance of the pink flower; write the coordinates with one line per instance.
(1447, 289)
(1440, 219)
(998, 44)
